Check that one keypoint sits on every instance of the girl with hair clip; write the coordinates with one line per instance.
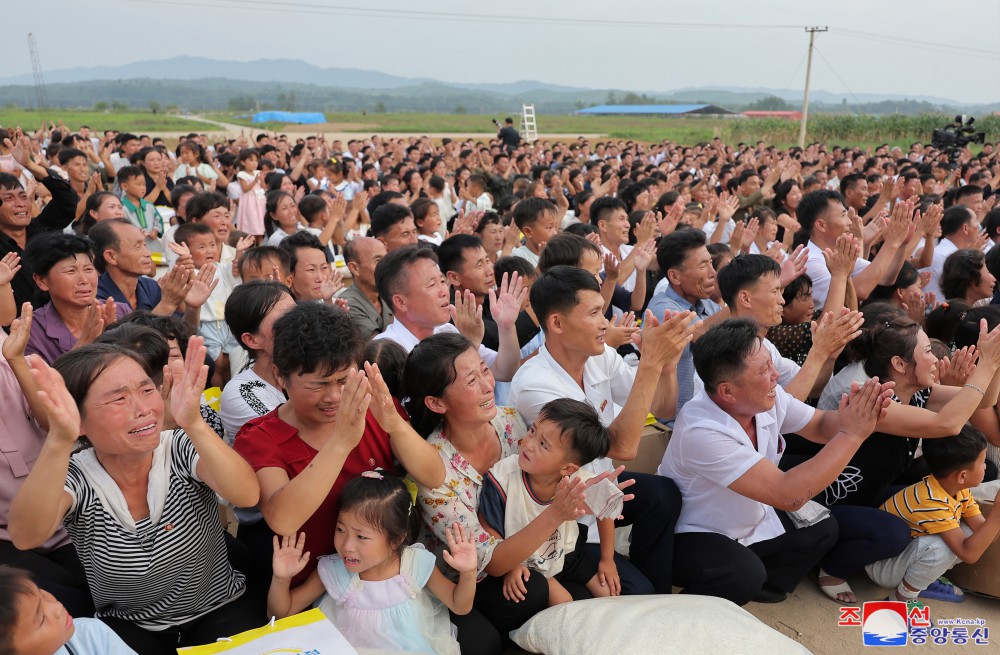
(381, 589)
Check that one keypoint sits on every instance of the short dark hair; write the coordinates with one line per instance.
(301, 239)
(528, 211)
(249, 304)
(451, 252)
(673, 250)
(170, 327)
(149, 344)
(962, 269)
(721, 354)
(104, 235)
(49, 248)
(565, 249)
(742, 272)
(850, 181)
(310, 206)
(603, 207)
(205, 202)
(557, 290)
(386, 216)
(316, 337)
(950, 454)
(513, 264)
(954, 218)
(392, 272)
(580, 426)
(185, 231)
(812, 206)
(257, 255)
(14, 583)
(126, 173)
(66, 154)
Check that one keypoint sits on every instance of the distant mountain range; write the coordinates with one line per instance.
(200, 83)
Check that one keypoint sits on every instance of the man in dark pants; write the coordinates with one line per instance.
(17, 227)
(509, 136)
(736, 538)
(576, 363)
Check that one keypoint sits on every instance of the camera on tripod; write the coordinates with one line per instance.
(952, 138)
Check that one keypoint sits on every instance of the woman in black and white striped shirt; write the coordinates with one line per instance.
(140, 505)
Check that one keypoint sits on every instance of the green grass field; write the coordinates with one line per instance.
(131, 121)
(861, 131)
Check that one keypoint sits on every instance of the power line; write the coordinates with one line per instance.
(414, 14)
(837, 75)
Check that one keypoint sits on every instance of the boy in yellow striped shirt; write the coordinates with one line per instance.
(946, 526)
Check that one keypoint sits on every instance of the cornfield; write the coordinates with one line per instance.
(848, 129)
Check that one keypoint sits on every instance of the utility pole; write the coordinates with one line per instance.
(36, 68)
(805, 99)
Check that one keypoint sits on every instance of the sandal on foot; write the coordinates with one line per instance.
(833, 589)
(939, 590)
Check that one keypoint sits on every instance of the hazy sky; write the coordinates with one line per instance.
(915, 47)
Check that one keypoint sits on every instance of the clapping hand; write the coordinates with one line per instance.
(60, 407)
(861, 409)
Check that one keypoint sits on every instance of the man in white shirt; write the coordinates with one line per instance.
(576, 363)
(735, 539)
(611, 218)
(750, 286)
(959, 229)
(411, 284)
(824, 217)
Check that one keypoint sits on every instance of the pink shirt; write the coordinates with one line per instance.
(20, 442)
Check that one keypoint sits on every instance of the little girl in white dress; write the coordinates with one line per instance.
(379, 591)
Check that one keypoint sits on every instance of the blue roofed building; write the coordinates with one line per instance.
(654, 110)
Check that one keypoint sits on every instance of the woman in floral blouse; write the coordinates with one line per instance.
(450, 392)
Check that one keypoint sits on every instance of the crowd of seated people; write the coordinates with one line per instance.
(428, 355)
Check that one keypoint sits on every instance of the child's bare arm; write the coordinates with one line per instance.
(461, 556)
(607, 570)
(288, 560)
(970, 549)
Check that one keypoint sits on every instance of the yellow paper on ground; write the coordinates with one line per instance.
(650, 419)
(308, 633)
(213, 398)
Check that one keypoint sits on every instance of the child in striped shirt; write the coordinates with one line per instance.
(946, 526)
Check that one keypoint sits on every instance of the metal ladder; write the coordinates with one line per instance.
(529, 129)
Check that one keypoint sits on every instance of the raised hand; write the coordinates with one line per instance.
(642, 255)
(188, 376)
(727, 206)
(63, 413)
(461, 552)
(382, 406)
(841, 259)
(956, 370)
(668, 222)
(288, 559)
(355, 400)
(915, 305)
(9, 266)
(468, 317)
(331, 286)
(988, 345)
(832, 333)
(201, 286)
(612, 267)
(20, 330)
(506, 302)
(646, 228)
(750, 233)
